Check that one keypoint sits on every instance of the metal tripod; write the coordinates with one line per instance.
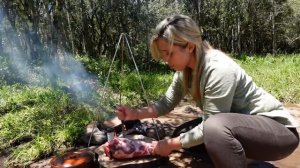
(124, 39)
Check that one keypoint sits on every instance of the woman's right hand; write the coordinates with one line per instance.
(124, 112)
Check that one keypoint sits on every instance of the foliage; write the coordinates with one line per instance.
(92, 27)
(99, 66)
(36, 122)
(7, 73)
(155, 81)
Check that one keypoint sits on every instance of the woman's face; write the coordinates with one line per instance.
(177, 57)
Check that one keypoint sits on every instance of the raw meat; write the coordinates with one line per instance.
(123, 148)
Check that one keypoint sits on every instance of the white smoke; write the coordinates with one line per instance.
(60, 70)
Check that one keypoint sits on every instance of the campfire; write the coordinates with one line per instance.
(122, 147)
(126, 143)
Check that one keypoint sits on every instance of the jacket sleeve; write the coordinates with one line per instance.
(172, 97)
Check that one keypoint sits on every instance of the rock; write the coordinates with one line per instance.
(94, 135)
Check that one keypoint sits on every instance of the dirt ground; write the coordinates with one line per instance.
(184, 113)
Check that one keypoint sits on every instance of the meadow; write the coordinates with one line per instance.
(278, 75)
(39, 121)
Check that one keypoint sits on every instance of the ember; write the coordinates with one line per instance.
(78, 159)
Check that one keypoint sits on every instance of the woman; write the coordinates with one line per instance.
(240, 119)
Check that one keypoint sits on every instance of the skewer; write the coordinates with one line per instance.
(121, 75)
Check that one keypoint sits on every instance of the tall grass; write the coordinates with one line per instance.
(278, 75)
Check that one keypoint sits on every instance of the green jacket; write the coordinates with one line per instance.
(225, 87)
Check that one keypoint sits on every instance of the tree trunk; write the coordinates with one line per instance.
(273, 14)
(70, 32)
(1, 47)
(1, 19)
(238, 29)
(83, 27)
(239, 35)
(232, 40)
(252, 16)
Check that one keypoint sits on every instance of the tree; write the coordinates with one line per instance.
(92, 27)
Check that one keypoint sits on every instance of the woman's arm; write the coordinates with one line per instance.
(163, 106)
(126, 113)
(146, 112)
(166, 146)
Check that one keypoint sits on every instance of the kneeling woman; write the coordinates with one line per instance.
(240, 119)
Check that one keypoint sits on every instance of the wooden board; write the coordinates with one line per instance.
(144, 162)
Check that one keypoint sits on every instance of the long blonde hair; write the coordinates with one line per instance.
(179, 30)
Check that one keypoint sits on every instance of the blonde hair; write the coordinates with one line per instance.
(179, 30)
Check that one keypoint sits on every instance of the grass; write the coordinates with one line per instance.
(128, 83)
(40, 121)
(278, 75)
(155, 84)
(36, 122)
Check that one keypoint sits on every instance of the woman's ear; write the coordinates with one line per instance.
(191, 47)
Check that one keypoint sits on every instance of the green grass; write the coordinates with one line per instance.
(40, 121)
(128, 83)
(155, 84)
(278, 75)
(36, 122)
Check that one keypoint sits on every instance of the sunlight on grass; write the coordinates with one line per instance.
(36, 121)
(40, 121)
(279, 75)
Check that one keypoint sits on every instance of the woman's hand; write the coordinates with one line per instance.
(166, 146)
(124, 112)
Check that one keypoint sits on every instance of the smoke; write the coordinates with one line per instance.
(60, 70)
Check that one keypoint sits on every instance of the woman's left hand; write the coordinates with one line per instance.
(166, 146)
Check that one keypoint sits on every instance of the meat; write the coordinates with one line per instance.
(123, 148)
